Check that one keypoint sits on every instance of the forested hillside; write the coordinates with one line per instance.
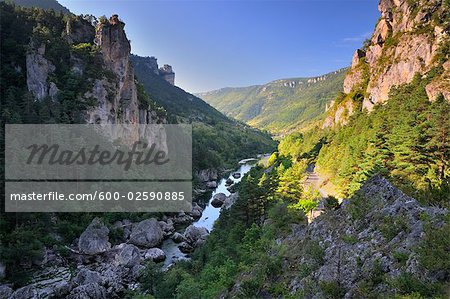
(45, 4)
(52, 71)
(402, 133)
(279, 106)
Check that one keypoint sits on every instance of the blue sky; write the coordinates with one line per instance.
(215, 44)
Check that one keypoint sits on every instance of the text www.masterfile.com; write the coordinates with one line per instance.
(99, 195)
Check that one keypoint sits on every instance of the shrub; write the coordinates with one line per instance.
(331, 203)
(350, 239)
(406, 284)
(332, 289)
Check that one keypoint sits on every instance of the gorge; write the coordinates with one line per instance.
(372, 142)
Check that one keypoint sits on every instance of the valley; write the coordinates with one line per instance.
(351, 201)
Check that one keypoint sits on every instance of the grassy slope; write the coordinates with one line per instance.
(277, 106)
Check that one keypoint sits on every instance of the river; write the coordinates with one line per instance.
(209, 216)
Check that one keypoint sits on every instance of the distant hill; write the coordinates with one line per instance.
(280, 105)
(45, 4)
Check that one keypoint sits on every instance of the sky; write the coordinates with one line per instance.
(215, 44)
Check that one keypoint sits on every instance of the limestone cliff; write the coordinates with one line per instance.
(150, 64)
(411, 37)
(38, 70)
(117, 99)
(112, 89)
(167, 74)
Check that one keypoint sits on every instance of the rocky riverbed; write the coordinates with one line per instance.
(93, 267)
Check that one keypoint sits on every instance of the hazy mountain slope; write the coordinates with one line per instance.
(45, 4)
(279, 105)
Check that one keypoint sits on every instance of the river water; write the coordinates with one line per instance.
(209, 216)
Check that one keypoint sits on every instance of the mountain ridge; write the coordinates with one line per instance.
(280, 105)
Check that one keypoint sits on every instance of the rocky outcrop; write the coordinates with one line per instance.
(147, 233)
(128, 255)
(371, 246)
(167, 227)
(196, 211)
(178, 238)
(80, 30)
(339, 114)
(38, 70)
(406, 41)
(5, 291)
(150, 64)
(366, 234)
(117, 97)
(94, 239)
(206, 175)
(167, 73)
(440, 85)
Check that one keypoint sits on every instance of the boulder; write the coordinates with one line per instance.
(156, 254)
(167, 227)
(88, 291)
(229, 181)
(206, 175)
(211, 184)
(178, 238)
(147, 233)
(185, 247)
(94, 239)
(86, 276)
(236, 175)
(230, 200)
(5, 291)
(195, 236)
(218, 200)
(128, 255)
(25, 292)
(196, 211)
(182, 219)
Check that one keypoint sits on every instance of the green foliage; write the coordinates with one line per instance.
(332, 289)
(392, 226)
(400, 257)
(407, 283)
(405, 140)
(238, 247)
(350, 239)
(332, 203)
(44, 4)
(290, 183)
(309, 200)
(315, 251)
(437, 238)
